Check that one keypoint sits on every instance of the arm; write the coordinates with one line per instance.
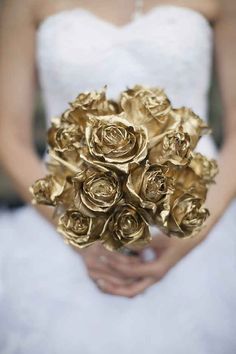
(222, 193)
(17, 97)
(226, 57)
(171, 250)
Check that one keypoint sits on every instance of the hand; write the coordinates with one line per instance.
(97, 260)
(168, 252)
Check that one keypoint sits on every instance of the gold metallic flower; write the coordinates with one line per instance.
(65, 140)
(206, 169)
(125, 226)
(190, 122)
(86, 104)
(47, 190)
(148, 107)
(79, 230)
(149, 184)
(98, 190)
(197, 175)
(113, 141)
(59, 170)
(183, 215)
(118, 167)
(114, 107)
(173, 146)
(142, 104)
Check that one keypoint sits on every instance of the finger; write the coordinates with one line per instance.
(100, 266)
(120, 258)
(100, 260)
(100, 252)
(103, 266)
(101, 278)
(140, 270)
(130, 290)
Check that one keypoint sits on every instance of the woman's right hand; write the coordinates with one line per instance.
(97, 260)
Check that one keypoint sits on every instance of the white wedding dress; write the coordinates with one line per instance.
(48, 304)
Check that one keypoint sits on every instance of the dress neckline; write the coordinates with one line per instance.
(145, 15)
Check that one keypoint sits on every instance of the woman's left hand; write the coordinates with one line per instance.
(168, 252)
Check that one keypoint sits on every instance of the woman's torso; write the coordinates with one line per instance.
(169, 46)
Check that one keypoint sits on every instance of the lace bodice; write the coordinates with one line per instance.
(170, 47)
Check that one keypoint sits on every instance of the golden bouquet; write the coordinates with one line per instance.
(118, 167)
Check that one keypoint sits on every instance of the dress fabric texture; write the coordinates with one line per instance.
(48, 304)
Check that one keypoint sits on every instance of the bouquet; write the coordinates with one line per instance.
(117, 167)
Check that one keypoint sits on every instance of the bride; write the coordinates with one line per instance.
(180, 297)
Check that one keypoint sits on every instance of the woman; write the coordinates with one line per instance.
(48, 302)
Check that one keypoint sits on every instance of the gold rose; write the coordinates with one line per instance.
(86, 104)
(191, 124)
(206, 169)
(173, 146)
(148, 184)
(47, 190)
(66, 141)
(113, 142)
(183, 215)
(80, 230)
(125, 226)
(147, 106)
(98, 190)
(197, 175)
(142, 104)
